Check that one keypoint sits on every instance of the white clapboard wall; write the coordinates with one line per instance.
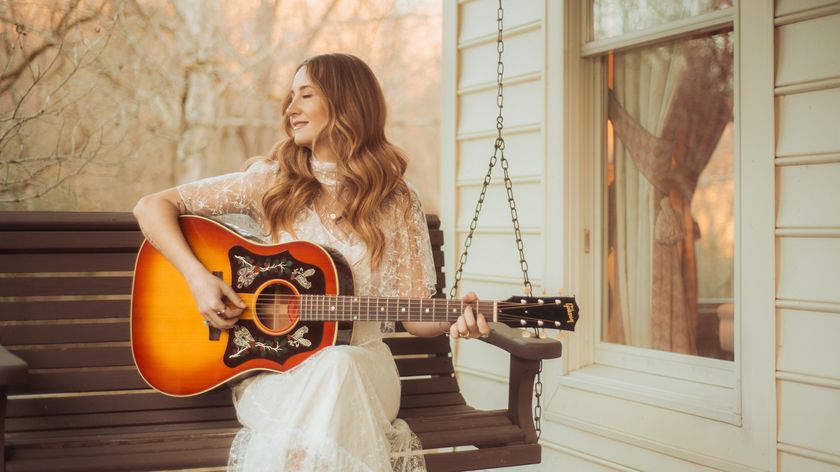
(789, 194)
(807, 98)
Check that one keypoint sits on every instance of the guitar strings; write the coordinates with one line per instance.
(501, 316)
(344, 299)
(344, 304)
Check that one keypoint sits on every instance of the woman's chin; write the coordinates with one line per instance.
(302, 141)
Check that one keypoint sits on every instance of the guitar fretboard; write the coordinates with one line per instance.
(352, 308)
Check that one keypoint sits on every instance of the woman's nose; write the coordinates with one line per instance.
(292, 108)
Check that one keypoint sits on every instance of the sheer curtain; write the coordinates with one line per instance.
(643, 91)
(668, 107)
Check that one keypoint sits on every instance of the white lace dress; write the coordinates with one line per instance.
(336, 411)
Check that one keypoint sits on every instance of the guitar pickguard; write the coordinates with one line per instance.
(248, 342)
(247, 339)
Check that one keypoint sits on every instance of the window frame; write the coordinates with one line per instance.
(708, 388)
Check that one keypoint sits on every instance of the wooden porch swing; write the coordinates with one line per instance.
(72, 399)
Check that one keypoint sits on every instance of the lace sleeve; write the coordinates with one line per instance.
(239, 192)
(408, 269)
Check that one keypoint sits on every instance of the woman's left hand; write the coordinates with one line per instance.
(470, 324)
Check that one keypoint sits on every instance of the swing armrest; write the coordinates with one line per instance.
(512, 341)
(525, 357)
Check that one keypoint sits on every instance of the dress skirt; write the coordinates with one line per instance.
(335, 412)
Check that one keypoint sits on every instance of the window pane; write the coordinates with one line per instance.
(670, 197)
(616, 17)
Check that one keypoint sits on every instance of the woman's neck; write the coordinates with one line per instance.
(324, 171)
(324, 154)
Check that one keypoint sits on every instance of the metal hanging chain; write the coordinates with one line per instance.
(499, 155)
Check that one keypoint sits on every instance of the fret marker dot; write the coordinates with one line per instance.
(427, 310)
(523, 322)
(382, 308)
(402, 309)
(540, 301)
(454, 310)
(522, 301)
(332, 308)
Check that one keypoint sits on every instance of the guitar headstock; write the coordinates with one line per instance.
(539, 312)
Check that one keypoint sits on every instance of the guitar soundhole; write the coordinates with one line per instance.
(277, 307)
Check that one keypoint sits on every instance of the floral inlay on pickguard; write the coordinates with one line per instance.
(248, 345)
(248, 270)
(302, 275)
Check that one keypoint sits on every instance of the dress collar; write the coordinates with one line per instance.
(325, 172)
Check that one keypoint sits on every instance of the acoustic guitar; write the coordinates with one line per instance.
(300, 300)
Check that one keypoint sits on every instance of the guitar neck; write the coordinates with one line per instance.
(353, 308)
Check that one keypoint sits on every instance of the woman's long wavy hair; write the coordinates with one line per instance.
(370, 169)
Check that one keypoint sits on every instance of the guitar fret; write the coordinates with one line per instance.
(302, 311)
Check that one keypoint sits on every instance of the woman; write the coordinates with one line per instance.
(336, 181)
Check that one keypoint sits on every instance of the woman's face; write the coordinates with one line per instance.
(308, 111)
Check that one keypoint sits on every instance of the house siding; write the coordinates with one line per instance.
(807, 96)
(791, 130)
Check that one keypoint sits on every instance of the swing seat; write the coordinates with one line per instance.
(439, 415)
(72, 399)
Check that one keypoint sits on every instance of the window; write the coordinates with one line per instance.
(612, 18)
(652, 99)
(669, 180)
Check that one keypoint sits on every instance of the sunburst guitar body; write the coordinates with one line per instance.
(300, 300)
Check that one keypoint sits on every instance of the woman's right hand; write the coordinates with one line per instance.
(209, 293)
(157, 215)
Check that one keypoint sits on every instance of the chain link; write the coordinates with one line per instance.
(499, 156)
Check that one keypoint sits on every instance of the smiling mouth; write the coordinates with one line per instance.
(299, 124)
